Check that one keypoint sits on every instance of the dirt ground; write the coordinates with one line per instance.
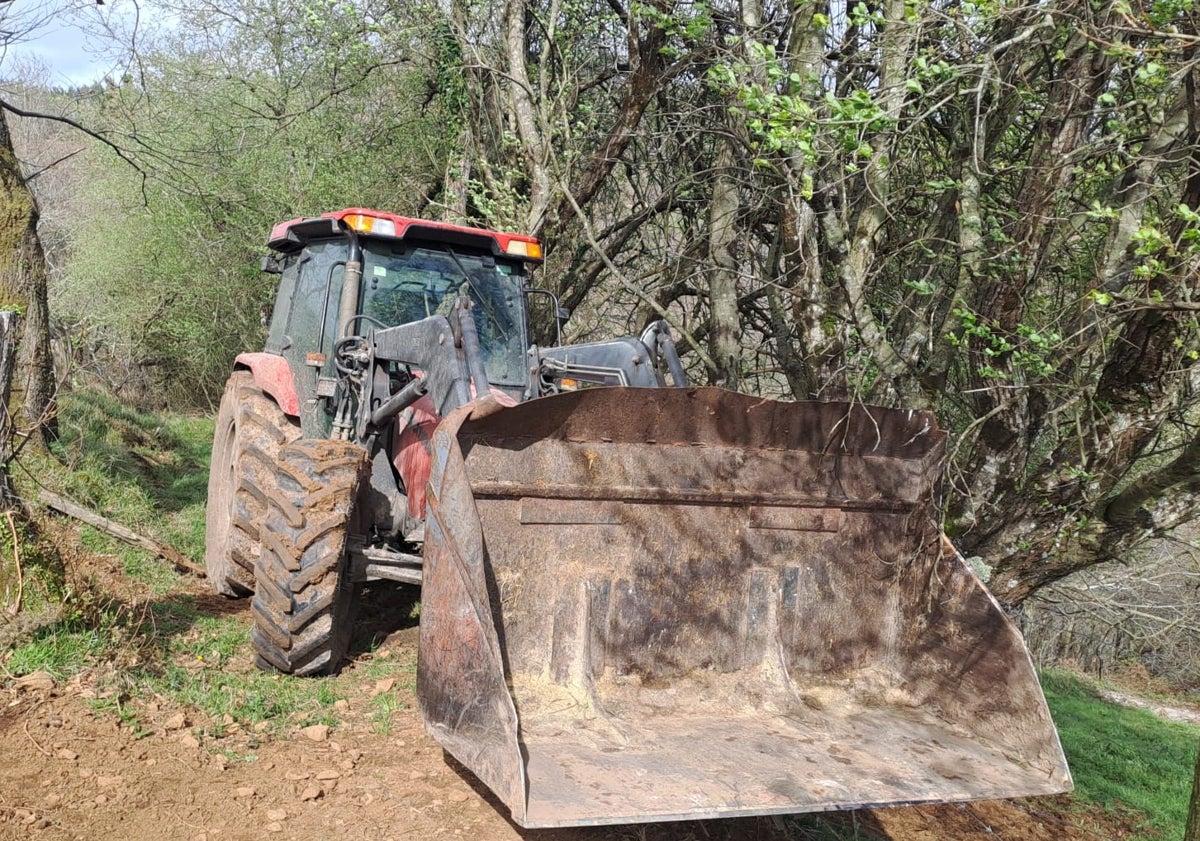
(67, 772)
(1171, 712)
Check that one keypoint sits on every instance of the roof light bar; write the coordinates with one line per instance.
(365, 224)
(524, 248)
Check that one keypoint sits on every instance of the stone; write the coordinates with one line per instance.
(315, 732)
(35, 682)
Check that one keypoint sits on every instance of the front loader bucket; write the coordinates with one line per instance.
(657, 604)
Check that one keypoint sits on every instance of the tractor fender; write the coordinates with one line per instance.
(274, 376)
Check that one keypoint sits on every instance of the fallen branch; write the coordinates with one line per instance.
(182, 562)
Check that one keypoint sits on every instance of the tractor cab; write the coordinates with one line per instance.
(401, 272)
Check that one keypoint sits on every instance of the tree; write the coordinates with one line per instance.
(242, 116)
(23, 283)
(989, 209)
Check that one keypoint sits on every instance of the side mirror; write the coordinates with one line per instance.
(561, 313)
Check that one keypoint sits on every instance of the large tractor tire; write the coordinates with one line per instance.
(304, 599)
(251, 430)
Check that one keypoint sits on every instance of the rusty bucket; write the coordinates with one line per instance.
(658, 604)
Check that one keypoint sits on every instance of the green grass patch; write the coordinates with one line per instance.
(149, 472)
(248, 697)
(204, 665)
(383, 707)
(167, 650)
(145, 470)
(1122, 755)
(114, 706)
(62, 650)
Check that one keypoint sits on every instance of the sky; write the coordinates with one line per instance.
(70, 55)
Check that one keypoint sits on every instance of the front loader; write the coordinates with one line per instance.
(639, 602)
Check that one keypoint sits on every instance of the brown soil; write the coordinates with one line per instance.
(69, 772)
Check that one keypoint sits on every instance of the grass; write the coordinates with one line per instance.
(62, 650)
(147, 471)
(166, 651)
(1124, 756)
(383, 707)
(124, 713)
(248, 698)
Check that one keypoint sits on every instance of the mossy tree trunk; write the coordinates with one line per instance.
(23, 287)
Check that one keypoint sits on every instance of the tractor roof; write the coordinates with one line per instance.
(292, 235)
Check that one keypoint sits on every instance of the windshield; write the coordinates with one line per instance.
(402, 284)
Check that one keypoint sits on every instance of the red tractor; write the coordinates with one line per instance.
(638, 602)
(382, 326)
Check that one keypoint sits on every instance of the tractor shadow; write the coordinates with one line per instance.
(388, 615)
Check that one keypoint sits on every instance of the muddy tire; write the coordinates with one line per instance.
(251, 429)
(304, 599)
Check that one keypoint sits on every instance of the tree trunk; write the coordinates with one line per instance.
(1192, 833)
(725, 336)
(23, 286)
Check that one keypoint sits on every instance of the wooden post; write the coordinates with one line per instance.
(11, 584)
(9, 322)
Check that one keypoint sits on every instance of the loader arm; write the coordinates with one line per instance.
(641, 363)
(429, 346)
